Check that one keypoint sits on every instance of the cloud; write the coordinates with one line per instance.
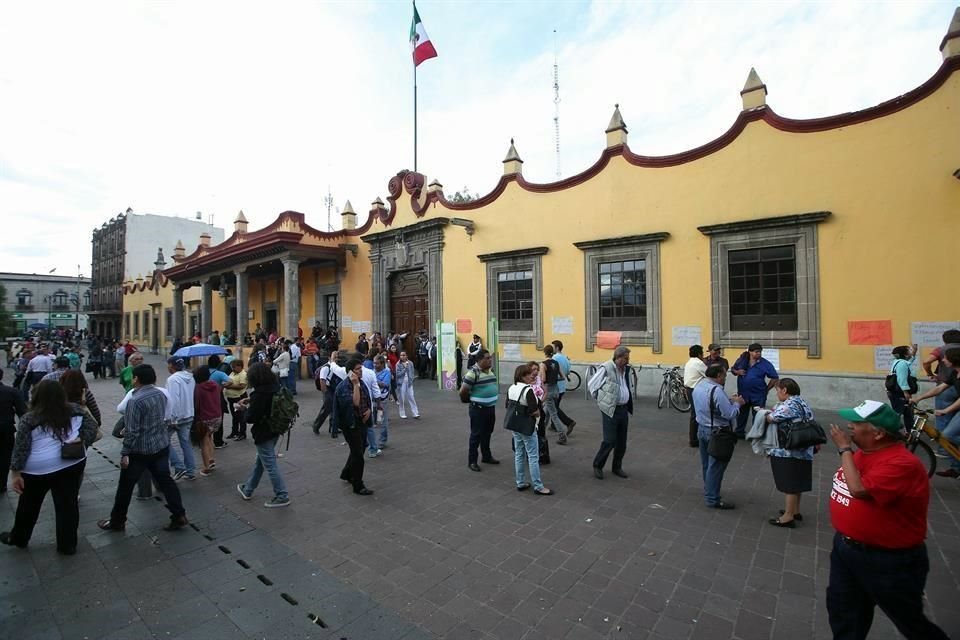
(213, 106)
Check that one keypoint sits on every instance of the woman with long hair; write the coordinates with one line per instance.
(207, 414)
(40, 463)
(257, 407)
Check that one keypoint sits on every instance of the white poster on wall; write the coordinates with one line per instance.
(773, 357)
(346, 322)
(686, 336)
(562, 325)
(511, 351)
(930, 334)
(882, 357)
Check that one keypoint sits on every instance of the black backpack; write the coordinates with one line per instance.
(551, 371)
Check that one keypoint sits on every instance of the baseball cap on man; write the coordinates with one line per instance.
(878, 414)
(714, 347)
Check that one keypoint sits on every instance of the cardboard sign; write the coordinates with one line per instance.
(773, 357)
(608, 339)
(930, 334)
(869, 332)
(686, 336)
(465, 326)
(511, 352)
(562, 325)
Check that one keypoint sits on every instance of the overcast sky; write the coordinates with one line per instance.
(178, 107)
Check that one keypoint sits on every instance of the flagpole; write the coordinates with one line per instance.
(414, 102)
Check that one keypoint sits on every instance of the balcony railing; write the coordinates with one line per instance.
(23, 307)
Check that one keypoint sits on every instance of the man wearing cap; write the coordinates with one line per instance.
(878, 507)
(714, 356)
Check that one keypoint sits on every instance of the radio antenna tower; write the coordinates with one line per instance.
(556, 103)
(328, 202)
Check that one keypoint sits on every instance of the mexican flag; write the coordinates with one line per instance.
(420, 41)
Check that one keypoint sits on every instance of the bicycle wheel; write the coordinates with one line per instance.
(633, 379)
(662, 397)
(678, 398)
(573, 381)
(923, 451)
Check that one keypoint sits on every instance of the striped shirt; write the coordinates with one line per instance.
(145, 430)
(483, 386)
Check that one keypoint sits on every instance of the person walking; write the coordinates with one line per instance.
(525, 440)
(264, 385)
(715, 412)
(405, 376)
(180, 387)
(481, 390)
(381, 419)
(611, 389)
(328, 377)
(354, 413)
(878, 508)
(755, 377)
(39, 464)
(565, 367)
(12, 407)
(693, 372)
(207, 416)
(792, 468)
(551, 380)
(146, 447)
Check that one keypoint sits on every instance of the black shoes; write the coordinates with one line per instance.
(777, 522)
(570, 427)
(523, 487)
(726, 506)
(6, 539)
(176, 522)
(108, 525)
(598, 473)
(798, 517)
(473, 466)
(694, 445)
(620, 473)
(491, 461)
(363, 492)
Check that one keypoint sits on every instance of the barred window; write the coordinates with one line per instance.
(763, 288)
(622, 295)
(515, 300)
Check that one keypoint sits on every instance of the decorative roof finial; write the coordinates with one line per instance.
(512, 164)
(754, 94)
(617, 129)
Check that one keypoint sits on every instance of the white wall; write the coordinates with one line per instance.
(145, 233)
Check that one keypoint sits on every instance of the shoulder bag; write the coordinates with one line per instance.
(517, 419)
(722, 441)
(891, 380)
(800, 435)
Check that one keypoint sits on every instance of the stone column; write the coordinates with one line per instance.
(243, 322)
(177, 312)
(206, 309)
(291, 297)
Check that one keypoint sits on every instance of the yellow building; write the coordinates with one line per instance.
(798, 234)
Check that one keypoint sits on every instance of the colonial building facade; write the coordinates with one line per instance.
(792, 233)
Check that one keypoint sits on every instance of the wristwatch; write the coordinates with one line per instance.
(843, 450)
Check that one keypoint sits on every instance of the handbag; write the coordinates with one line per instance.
(73, 450)
(118, 428)
(800, 435)
(517, 418)
(890, 382)
(722, 441)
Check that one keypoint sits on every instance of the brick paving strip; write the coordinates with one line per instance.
(442, 552)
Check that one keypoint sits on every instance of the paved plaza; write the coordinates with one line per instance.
(443, 552)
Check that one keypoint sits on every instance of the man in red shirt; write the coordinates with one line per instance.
(878, 506)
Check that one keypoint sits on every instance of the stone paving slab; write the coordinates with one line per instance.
(443, 552)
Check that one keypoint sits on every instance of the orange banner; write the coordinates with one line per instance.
(869, 332)
(608, 339)
(465, 326)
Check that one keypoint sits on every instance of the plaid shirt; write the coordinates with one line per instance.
(145, 431)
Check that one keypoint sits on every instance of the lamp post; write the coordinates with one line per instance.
(76, 326)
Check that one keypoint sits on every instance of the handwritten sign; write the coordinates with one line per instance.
(930, 334)
(608, 339)
(869, 332)
(562, 325)
(686, 336)
(773, 357)
(346, 322)
(511, 352)
(464, 325)
(882, 358)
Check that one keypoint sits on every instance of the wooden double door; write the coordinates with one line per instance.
(409, 307)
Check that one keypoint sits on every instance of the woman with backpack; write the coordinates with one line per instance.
(901, 384)
(522, 401)
(257, 410)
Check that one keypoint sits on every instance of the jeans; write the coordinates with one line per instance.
(712, 469)
(482, 421)
(406, 395)
(65, 487)
(158, 466)
(550, 409)
(381, 420)
(290, 382)
(614, 438)
(942, 401)
(863, 578)
(266, 459)
(952, 433)
(183, 461)
(527, 456)
(311, 366)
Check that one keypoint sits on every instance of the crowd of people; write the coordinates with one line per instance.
(878, 501)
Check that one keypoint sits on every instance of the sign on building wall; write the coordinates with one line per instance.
(930, 334)
(511, 351)
(447, 347)
(465, 325)
(686, 336)
(773, 357)
(869, 332)
(562, 325)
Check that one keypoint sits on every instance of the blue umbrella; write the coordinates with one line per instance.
(37, 325)
(197, 350)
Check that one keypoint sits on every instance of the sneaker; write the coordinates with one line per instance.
(277, 502)
(243, 494)
(190, 476)
(562, 439)
(373, 454)
(402, 417)
(222, 445)
(176, 523)
(178, 476)
(942, 453)
(206, 473)
(416, 417)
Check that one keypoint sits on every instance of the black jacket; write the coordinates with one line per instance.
(11, 406)
(258, 413)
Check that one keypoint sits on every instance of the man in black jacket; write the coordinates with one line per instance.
(354, 410)
(12, 406)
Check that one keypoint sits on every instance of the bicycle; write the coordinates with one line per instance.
(672, 390)
(573, 380)
(923, 450)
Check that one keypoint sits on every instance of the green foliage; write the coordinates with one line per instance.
(463, 196)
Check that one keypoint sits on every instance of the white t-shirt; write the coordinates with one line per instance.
(516, 392)
(693, 372)
(44, 455)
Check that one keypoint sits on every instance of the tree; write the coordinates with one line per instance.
(6, 322)
(463, 196)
